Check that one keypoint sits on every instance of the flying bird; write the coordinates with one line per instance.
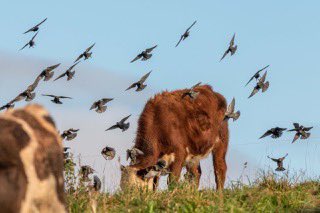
(144, 55)
(56, 99)
(231, 49)
(230, 111)
(139, 84)
(69, 73)
(86, 54)
(186, 34)
(35, 28)
(257, 74)
(261, 84)
(31, 43)
(47, 73)
(191, 92)
(100, 105)
(132, 154)
(96, 183)
(279, 162)
(274, 132)
(28, 94)
(69, 134)
(7, 106)
(108, 153)
(301, 132)
(86, 171)
(121, 125)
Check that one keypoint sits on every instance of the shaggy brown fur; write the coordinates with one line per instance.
(31, 162)
(182, 131)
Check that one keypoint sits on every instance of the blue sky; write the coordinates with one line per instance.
(283, 34)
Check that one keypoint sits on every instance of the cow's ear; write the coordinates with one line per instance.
(122, 168)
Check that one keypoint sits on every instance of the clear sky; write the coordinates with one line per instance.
(283, 34)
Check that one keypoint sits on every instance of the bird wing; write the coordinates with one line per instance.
(106, 100)
(53, 67)
(41, 22)
(35, 26)
(73, 130)
(252, 77)
(24, 46)
(64, 97)
(136, 58)
(94, 105)
(296, 137)
(53, 96)
(230, 108)
(267, 133)
(196, 85)
(124, 119)
(179, 41)
(79, 57)
(232, 40)
(149, 50)
(263, 78)
(144, 78)
(34, 36)
(34, 85)
(132, 86)
(254, 91)
(18, 98)
(308, 128)
(89, 48)
(225, 53)
(60, 76)
(191, 26)
(275, 160)
(263, 68)
(70, 68)
(112, 127)
(296, 125)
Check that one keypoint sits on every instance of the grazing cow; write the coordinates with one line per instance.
(181, 131)
(31, 162)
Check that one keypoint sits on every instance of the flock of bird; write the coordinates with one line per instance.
(100, 106)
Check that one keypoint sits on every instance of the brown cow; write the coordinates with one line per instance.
(181, 131)
(31, 162)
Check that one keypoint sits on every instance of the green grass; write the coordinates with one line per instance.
(269, 193)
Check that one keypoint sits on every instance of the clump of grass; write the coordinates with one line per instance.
(268, 193)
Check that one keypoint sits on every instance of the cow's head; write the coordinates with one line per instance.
(134, 178)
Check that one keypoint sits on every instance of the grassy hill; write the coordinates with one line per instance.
(269, 193)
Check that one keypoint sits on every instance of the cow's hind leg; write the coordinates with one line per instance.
(175, 170)
(219, 156)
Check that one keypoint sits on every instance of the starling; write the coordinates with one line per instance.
(230, 111)
(301, 132)
(69, 73)
(274, 132)
(191, 92)
(35, 28)
(86, 54)
(257, 74)
(261, 84)
(139, 84)
(279, 162)
(144, 55)
(70, 134)
(108, 153)
(121, 125)
(100, 105)
(186, 34)
(231, 49)
(31, 43)
(56, 99)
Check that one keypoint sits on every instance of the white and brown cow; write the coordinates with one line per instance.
(31, 162)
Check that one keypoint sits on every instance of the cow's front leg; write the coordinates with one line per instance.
(220, 168)
(193, 173)
(175, 170)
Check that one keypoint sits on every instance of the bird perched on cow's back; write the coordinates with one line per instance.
(56, 98)
(86, 54)
(186, 34)
(100, 105)
(47, 73)
(108, 153)
(144, 55)
(133, 153)
(257, 74)
(275, 132)
(230, 111)
(231, 49)
(301, 132)
(121, 125)
(262, 84)
(86, 171)
(140, 84)
(279, 162)
(69, 134)
(191, 93)
(30, 43)
(35, 28)
(69, 73)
